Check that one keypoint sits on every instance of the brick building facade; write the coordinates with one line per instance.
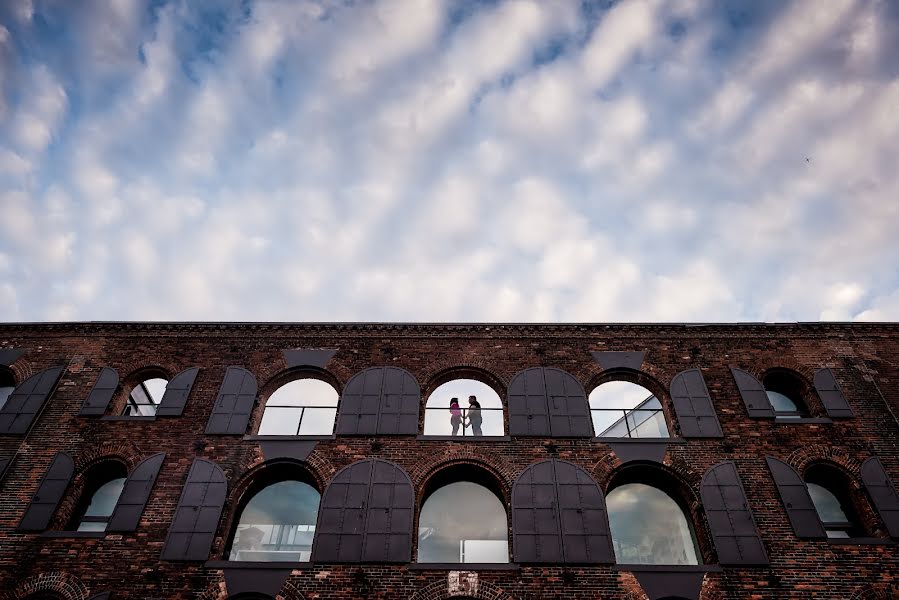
(741, 468)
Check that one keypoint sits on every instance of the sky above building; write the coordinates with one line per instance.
(453, 160)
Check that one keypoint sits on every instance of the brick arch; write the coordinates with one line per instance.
(874, 593)
(219, 591)
(481, 590)
(21, 370)
(646, 378)
(591, 371)
(68, 586)
(758, 368)
(289, 591)
(270, 368)
(134, 366)
(803, 457)
(437, 370)
(461, 455)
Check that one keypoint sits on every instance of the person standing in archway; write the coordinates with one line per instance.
(474, 416)
(455, 415)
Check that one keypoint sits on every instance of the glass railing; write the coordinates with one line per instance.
(268, 542)
(634, 423)
(464, 423)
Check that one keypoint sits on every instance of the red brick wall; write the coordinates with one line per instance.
(864, 358)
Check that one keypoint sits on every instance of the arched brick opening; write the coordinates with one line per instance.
(67, 586)
(644, 379)
(460, 454)
(461, 584)
(277, 379)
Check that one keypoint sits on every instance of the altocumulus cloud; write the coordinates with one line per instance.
(449, 160)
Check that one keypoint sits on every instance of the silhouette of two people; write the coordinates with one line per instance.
(472, 419)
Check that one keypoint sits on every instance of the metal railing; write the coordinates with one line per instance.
(293, 419)
(443, 422)
(633, 423)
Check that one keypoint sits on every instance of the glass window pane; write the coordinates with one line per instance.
(5, 391)
(104, 499)
(625, 409)
(780, 402)
(826, 504)
(622, 395)
(92, 526)
(648, 527)
(463, 522)
(304, 392)
(280, 421)
(156, 389)
(318, 421)
(277, 524)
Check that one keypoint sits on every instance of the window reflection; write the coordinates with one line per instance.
(463, 522)
(7, 386)
(277, 524)
(483, 417)
(784, 391)
(648, 527)
(145, 397)
(828, 492)
(301, 407)
(625, 409)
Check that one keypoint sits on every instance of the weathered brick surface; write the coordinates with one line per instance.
(864, 358)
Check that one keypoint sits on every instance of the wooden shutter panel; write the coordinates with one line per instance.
(10, 355)
(234, 403)
(101, 596)
(569, 411)
(176, 393)
(26, 401)
(340, 533)
(693, 406)
(5, 461)
(135, 494)
(399, 403)
(528, 408)
(49, 494)
(733, 526)
(831, 396)
(559, 516)
(199, 509)
(388, 522)
(753, 393)
(883, 494)
(360, 403)
(98, 400)
(796, 500)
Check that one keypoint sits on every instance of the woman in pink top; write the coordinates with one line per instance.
(455, 415)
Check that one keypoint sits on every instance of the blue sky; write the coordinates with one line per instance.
(413, 160)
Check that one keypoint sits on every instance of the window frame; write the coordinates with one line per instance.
(641, 379)
(280, 380)
(836, 482)
(86, 487)
(470, 374)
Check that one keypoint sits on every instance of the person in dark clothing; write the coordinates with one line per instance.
(455, 415)
(474, 416)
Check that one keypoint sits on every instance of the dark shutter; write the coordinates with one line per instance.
(98, 400)
(360, 403)
(49, 494)
(176, 393)
(388, 523)
(366, 514)
(753, 393)
(883, 494)
(693, 406)
(197, 516)
(528, 408)
(101, 596)
(796, 500)
(733, 526)
(380, 400)
(10, 355)
(400, 403)
(619, 360)
(311, 357)
(232, 408)
(135, 494)
(569, 411)
(26, 401)
(559, 516)
(831, 396)
(5, 461)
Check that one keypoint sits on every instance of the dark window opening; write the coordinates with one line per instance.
(628, 410)
(306, 406)
(103, 486)
(785, 392)
(648, 524)
(463, 519)
(465, 408)
(7, 385)
(144, 399)
(276, 519)
(829, 492)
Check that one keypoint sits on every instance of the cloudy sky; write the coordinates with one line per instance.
(412, 160)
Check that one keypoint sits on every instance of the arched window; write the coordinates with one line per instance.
(829, 492)
(785, 392)
(649, 527)
(477, 412)
(103, 486)
(145, 397)
(625, 409)
(7, 385)
(277, 520)
(463, 519)
(301, 407)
